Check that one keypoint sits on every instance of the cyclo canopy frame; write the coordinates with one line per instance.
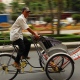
(51, 45)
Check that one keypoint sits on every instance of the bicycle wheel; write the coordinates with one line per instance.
(56, 72)
(43, 61)
(7, 71)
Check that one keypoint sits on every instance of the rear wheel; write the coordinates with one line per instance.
(54, 71)
(7, 71)
(42, 61)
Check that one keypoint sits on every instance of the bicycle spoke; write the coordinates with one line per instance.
(63, 71)
(7, 71)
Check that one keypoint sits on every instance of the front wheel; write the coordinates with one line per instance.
(7, 71)
(56, 72)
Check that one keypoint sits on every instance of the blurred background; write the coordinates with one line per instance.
(49, 15)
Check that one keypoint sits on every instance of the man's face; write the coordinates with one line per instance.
(26, 13)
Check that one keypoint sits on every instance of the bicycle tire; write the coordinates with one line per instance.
(10, 74)
(58, 75)
(42, 63)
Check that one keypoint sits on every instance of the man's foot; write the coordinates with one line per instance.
(22, 57)
(16, 65)
(27, 57)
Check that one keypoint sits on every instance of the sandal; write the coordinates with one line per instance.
(16, 65)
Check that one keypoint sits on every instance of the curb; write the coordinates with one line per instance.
(9, 48)
(72, 44)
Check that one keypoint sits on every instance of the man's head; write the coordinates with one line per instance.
(25, 11)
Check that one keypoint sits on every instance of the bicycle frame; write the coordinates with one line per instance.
(37, 48)
(74, 54)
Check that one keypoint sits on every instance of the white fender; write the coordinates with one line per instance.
(5, 53)
(57, 54)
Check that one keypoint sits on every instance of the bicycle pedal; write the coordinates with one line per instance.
(23, 64)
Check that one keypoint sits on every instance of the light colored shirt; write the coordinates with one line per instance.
(16, 29)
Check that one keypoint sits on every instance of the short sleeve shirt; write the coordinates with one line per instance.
(16, 29)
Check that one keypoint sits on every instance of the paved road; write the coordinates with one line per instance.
(35, 75)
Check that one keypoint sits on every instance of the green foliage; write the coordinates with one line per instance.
(66, 37)
(62, 37)
(76, 5)
(16, 7)
(48, 19)
(5, 42)
(14, 16)
(76, 17)
(67, 5)
(69, 38)
(2, 7)
(32, 27)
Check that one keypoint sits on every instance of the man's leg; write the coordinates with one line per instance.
(21, 46)
(27, 44)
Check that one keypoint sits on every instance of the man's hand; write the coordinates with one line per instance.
(37, 36)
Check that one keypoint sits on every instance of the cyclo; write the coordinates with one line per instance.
(53, 59)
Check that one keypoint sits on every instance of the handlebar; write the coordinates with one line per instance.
(33, 38)
(41, 38)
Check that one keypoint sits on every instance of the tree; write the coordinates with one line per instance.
(76, 17)
(76, 5)
(48, 19)
(51, 13)
(60, 3)
(73, 5)
(36, 6)
(2, 7)
(16, 9)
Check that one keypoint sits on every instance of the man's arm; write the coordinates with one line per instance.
(33, 33)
